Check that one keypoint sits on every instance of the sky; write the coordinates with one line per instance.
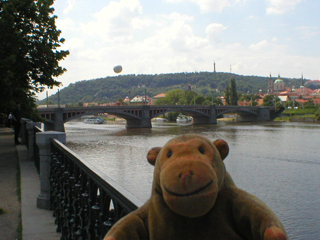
(247, 37)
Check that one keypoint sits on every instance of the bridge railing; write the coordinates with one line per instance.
(85, 202)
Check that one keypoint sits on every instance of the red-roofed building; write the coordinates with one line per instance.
(302, 101)
(126, 100)
(317, 91)
(260, 101)
(304, 91)
(290, 95)
(244, 103)
(316, 100)
(160, 95)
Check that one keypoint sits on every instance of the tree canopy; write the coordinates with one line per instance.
(181, 97)
(29, 43)
(270, 100)
(230, 93)
(233, 92)
(227, 95)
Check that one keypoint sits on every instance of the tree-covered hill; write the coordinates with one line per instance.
(110, 89)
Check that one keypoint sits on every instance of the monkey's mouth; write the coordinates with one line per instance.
(191, 193)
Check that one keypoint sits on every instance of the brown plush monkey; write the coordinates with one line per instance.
(194, 197)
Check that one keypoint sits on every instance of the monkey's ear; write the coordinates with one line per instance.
(152, 155)
(222, 147)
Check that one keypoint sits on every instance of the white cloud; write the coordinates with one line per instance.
(177, 36)
(175, 16)
(281, 6)
(263, 57)
(265, 48)
(308, 32)
(259, 46)
(70, 6)
(138, 23)
(175, 1)
(115, 21)
(66, 24)
(210, 5)
(74, 43)
(252, 17)
(214, 30)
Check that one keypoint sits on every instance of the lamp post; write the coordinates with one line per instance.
(145, 96)
(47, 98)
(41, 90)
(211, 97)
(58, 98)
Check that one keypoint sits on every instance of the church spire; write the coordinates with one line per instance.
(270, 85)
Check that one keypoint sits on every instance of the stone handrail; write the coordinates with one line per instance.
(85, 202)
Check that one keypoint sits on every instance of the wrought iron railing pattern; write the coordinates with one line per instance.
(85, 202)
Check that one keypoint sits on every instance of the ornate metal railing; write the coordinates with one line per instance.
(85, 202)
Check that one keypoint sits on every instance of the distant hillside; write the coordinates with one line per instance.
(110, 89)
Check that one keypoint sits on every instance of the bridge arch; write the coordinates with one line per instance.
(240, 111)
(187, 111)
(121, 115)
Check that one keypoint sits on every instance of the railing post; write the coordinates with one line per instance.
(43, 140)
(58, 122)
(213, 114)
(30, 128)
(23, 130)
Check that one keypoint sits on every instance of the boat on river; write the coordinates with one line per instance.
(159, 119)
(184, 119)
(97, 120)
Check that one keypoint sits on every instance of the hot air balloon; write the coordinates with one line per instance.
(117, 69)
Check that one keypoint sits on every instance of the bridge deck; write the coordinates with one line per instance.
(140, 116)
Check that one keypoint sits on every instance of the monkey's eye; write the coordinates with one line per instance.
(169, 154)
(201, 150)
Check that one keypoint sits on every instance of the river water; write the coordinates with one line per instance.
(279, 162)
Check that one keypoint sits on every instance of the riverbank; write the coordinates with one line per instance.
(308, 115)
(306, 119)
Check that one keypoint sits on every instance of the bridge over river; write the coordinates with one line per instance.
(140, 116)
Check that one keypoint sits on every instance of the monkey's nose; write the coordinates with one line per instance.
(186, 174)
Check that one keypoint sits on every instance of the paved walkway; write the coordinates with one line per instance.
(38, 224)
